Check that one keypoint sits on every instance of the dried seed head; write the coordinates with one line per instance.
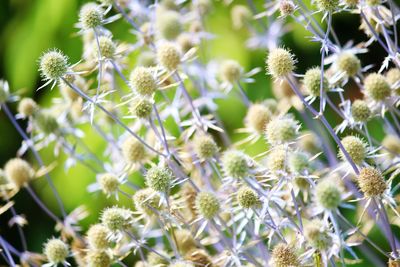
(257, 117)
(247, 198)
(97, 237)
(205, 146)
(116, 219)
(90, 16)
(298, 162)
(377, 87)
(312, 81)
(109, 183)
(185, 241)
(169, 24)
(280, 62)
(230, 71)
(147, 59)
(46, 122)
(98, 258)
(141, 108)
(146, 200)
(392, 143)
(159, 178)
(56, 251)
(207, 205)
(240, 16)
(276, 160)
(328, 194)
(360, 111)
(107, 47)
(53, 65)
(317, 235)
(18, 172)
(143, 81)
(235, 164)
(355, 147)
(281, 130)
(199, 257)
(286, 7)
(393, 78)
(327, 5)
(133, 150)
(169, 56)
(284, 255)
(27, 107)
(371, 182)
(348, 63)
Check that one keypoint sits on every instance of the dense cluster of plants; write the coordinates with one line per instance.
(205, 202)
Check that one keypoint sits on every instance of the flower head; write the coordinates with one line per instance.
(281, 130)
(284, 255)
(56, 251)
(53, 65)
(159, 178)
(355, 147)
(207, 205)
(377, 87)
(97, 237)
(328, 194)
(90, 16)
(371, 182)
(235, 164)
(280, 62)
(18, 172)
(169, 56)
(247, 198)
(312, 81)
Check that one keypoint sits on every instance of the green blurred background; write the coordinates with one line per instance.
(29, 27)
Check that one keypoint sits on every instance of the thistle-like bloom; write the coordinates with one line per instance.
(56, 252)
(280, 63)
(281, 130)
(207, 205)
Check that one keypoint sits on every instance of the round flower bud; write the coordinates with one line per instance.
(133, 150)
(168, 24)
(298, 161)
(328, 195)
(185, 241)
(371, 182)
(355, 147)
(141, 108)
(97, 237)
(348, 63)
(257, 117)
(235, 164)
(230, 71)
(276, 160)
(247, 198)
(116, 219)
(286, 7)
(240, 16)
(98, 258)
(90, 16)
(199, 257)
(312, 82)
(281, 130)
(205, 146)
(159, 178)
(108, 183)
(377, 87)
(284, 255)
(327, 5)
(53, 65)
(280, 62)
(143, 81)
(46, 122)
(27, 106)
(391, 143)
(185, 41)
(207, 205)
(181, 264)
(146, 200)
(360, 111)
(156, 260)
(169, 56)
(107, 47)
(317, 235)
(18, 172)
(393, 78)
(147, 59)
(56, 251)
